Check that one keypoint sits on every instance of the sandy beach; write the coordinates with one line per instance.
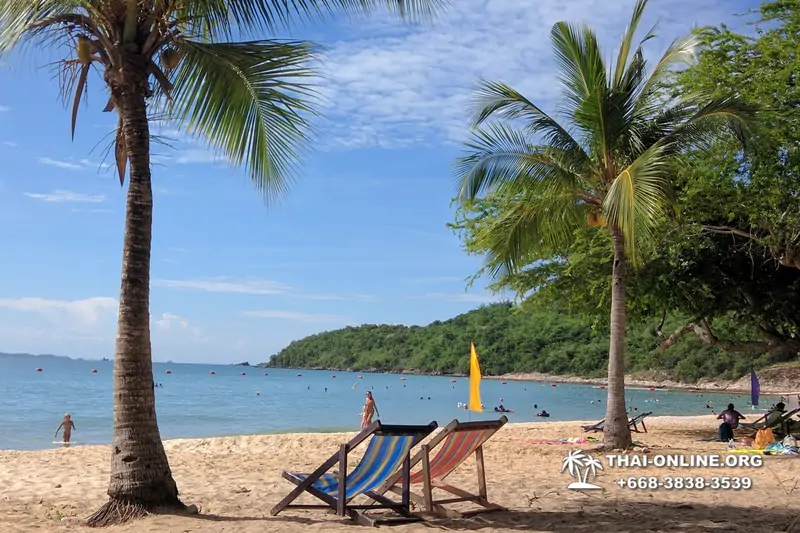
(236, 480)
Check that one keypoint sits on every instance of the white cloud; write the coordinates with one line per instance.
(168, 320)
(60, 195)
(392, 86)
(72, 314)
(12, 144)
(173, 324)
(247, 286)
(479, 298)
(253, 286)
(316, 318)
(198, 156)
(82, 164)
(438, 279)
(4, 109)
(59, 164)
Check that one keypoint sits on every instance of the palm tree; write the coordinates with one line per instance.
(592, 465)
(250, 100)
(608, 166)
(573, 462)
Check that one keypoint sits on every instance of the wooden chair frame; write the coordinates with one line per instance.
(340, 504)
(426, 499)
(634, 424)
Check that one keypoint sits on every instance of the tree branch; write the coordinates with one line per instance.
(727, 230)
(702, 330)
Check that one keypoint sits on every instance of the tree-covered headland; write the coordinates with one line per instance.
(513, 340)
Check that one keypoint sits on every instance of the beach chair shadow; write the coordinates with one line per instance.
(634, 424)
(388, 451)
(456, 442)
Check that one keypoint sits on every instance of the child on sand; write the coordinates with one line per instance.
(370, 409)
(68, 426)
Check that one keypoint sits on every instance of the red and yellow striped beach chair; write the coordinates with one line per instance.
(456, 442)
(388, 452)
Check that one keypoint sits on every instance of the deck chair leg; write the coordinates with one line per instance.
(292, 496)
(481, 472)
(466, 496)
(406, 496)
(341, 501)
(644, 428)
(427, 490)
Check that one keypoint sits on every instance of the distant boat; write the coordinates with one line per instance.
(106, 359)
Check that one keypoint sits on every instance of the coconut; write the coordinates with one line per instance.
(84, 49)
(170, 58)
(591, 219)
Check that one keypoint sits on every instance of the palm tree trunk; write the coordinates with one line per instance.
(141, 479)
(616, 432)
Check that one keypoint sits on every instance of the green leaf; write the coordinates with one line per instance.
(228, 18)
(251, 101)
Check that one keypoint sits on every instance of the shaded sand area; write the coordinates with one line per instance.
(236, 480)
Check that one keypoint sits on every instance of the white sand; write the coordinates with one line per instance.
(236, 480)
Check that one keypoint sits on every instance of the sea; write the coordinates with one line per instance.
(202, 400)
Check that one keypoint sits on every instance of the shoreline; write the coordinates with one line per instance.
(778, 380)
(322, 432)
(689, 419)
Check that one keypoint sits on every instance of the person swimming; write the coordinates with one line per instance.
(543, 413)
(68, 426)
(370, 409)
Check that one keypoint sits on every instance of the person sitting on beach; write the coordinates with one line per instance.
(775, 414)
(68, 426)
(370, 409)
(730, 420)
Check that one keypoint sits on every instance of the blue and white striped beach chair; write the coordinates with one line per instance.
(388, 450)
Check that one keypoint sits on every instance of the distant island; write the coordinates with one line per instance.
(41, 356)
(513, 341)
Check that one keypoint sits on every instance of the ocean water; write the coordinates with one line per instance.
(193, 403)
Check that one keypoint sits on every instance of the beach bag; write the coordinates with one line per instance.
(724, 433)
(764, 438)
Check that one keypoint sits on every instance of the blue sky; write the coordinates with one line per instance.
(360, 239)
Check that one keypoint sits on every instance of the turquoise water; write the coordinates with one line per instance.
(194, 403)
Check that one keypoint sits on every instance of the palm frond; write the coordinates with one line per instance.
(712, 119)
(584, 80)
(682, 52)
(496, 98)
(227, 18)
(526, 223)
(636, 201)
(627, 42)
(17, 17)
(249, 100)
(581, 66)
(501, 156)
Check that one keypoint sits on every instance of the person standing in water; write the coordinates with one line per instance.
(68, 426)
(370, 409)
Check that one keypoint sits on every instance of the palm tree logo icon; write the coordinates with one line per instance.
(580, 465)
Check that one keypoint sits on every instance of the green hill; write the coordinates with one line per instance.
(510, 340)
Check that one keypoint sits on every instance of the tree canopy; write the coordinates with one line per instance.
(510, 340)
(728, 254)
